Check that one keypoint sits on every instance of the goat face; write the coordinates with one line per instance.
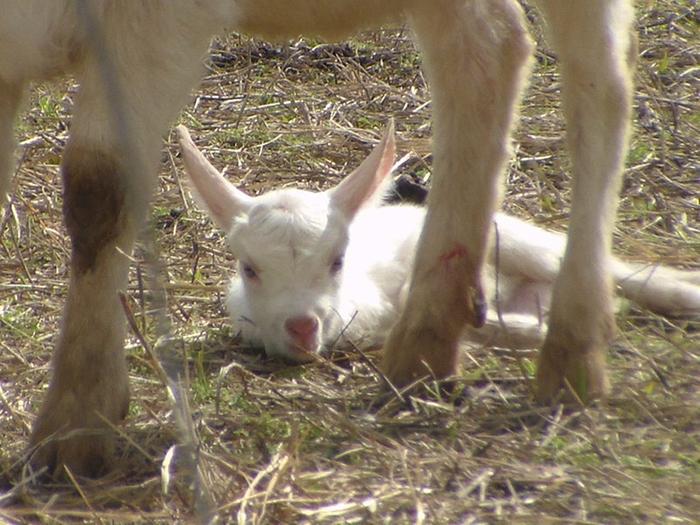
(290, 248)
(290, 245)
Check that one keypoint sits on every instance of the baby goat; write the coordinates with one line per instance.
(316, 268)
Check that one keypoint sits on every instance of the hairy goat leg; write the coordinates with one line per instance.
(594, 42)
(108, 177)
(476, 56)
(89, 380)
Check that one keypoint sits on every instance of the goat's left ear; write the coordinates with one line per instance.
(367, 184)
(221, 199)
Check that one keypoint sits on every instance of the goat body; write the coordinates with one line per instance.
(145, 57)
(313, 275)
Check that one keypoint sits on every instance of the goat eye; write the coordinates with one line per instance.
(337, 264)
(249, 272)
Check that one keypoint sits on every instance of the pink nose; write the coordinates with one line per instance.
(302, 330)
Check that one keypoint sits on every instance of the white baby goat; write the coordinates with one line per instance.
(319, 268)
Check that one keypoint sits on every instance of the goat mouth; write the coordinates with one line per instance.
(300, 354)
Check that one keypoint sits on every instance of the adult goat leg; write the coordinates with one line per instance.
(89, 386)
(476, 55)
(108, 174)
(594, 42)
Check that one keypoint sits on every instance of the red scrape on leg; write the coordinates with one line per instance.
(458, 252)
(456, 265)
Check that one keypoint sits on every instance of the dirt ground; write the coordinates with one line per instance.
(316, 443)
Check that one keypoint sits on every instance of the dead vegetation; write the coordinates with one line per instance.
(317, 443)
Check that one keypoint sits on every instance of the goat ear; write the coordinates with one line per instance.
(367, 184)
(220, 198)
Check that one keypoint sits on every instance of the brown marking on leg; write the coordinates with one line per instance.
(93, 204)
(457, 252)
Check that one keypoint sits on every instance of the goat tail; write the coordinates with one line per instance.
(664, 290)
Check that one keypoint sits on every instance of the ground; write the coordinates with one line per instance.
(317, 443)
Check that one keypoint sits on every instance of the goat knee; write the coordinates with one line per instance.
(94, 204)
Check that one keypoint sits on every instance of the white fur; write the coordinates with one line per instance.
(290, 237)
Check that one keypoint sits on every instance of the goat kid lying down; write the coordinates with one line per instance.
(319, 269)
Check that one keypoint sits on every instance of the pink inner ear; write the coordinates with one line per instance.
(366, 185)
(222, 200)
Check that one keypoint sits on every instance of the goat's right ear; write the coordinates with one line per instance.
(368, 183)
(221, 199)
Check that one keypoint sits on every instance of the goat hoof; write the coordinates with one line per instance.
(410, 355)
(76, 436)
(88, 455)
(577, 372)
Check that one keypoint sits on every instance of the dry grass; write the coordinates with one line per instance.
(315, 444)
